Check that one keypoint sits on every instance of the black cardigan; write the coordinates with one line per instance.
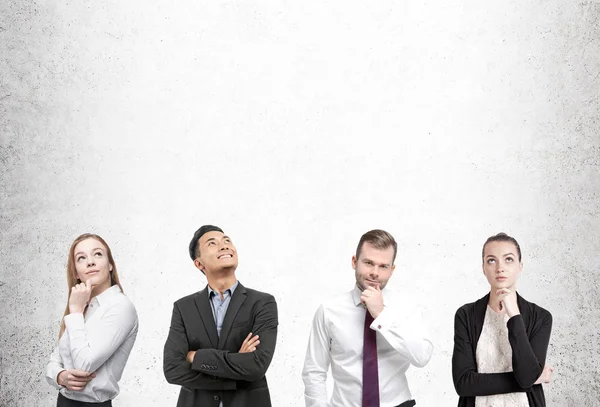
(528, 334)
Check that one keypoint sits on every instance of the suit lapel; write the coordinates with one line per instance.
(206, 315)
(237, 299)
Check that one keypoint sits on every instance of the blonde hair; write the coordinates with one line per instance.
(72, 279)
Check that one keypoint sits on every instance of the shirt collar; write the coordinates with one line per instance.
(107, 294)
(356, 293)
(231, 289)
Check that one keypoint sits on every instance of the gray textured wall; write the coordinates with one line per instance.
(297, 127)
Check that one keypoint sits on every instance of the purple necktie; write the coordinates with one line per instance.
(370, 396)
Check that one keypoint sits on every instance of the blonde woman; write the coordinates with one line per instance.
(501, 340)
(98, 329)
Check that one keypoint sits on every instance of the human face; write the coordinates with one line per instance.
(217, 252)
(91, 263)
(374, 267)
(501, 265)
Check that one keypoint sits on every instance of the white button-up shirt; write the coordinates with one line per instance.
(100, 342)
(336, 339)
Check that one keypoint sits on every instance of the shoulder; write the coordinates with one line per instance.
(336, 303)
(536, 312)
(188, 300)
(467, 310)
(123, 307)
(255, 295)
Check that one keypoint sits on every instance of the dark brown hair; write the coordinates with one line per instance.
(380, 239)
(502, 237)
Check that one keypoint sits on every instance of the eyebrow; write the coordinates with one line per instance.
(365, 259)
(504, 255)
(97, 248)
(214, 238)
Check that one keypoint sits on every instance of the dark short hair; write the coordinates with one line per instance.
(501, 237)
(380, 239)
(194, 250)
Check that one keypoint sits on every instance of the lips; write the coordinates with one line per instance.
(500, 278)
(92, 272)
(225, 256)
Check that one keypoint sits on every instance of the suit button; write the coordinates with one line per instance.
(217, 398)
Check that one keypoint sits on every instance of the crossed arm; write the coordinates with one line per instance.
(230, 366)
(529, 356)
(88, 350)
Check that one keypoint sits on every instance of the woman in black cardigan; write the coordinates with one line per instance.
(507, 366)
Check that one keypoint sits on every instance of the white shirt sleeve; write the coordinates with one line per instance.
(316, 363)
(54, 367)
(405, 333)
(89, 352)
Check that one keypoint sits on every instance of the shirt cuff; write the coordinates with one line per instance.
(383, 322)
(52, 375)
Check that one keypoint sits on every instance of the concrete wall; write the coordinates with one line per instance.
(297, 126)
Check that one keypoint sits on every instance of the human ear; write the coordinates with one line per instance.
(199, 265)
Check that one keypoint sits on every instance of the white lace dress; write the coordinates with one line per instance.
(494, 355)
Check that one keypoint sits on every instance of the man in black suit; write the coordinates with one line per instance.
(222, 338)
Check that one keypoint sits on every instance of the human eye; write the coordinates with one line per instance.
(211, 243)
(79, 258)
(491, 261)
(509, 259)
(98, 254)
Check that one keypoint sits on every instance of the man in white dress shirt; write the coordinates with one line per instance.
(342, 325)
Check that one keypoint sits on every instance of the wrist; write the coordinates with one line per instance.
(75, 309)
(190, 356)
(60, 378)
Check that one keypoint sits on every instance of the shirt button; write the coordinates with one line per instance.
(378, 326)
(217, 398)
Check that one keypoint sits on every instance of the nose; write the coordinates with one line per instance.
(91, 261)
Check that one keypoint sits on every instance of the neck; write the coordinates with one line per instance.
(99, 290)
(221, 281)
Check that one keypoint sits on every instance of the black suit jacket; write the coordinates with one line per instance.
(219, 372)
(528, 335)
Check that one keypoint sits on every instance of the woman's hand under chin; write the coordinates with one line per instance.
(80, 296)
(508, 301)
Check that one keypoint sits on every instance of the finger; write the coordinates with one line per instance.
(80, 373)
(79, 379)
(88, 284)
